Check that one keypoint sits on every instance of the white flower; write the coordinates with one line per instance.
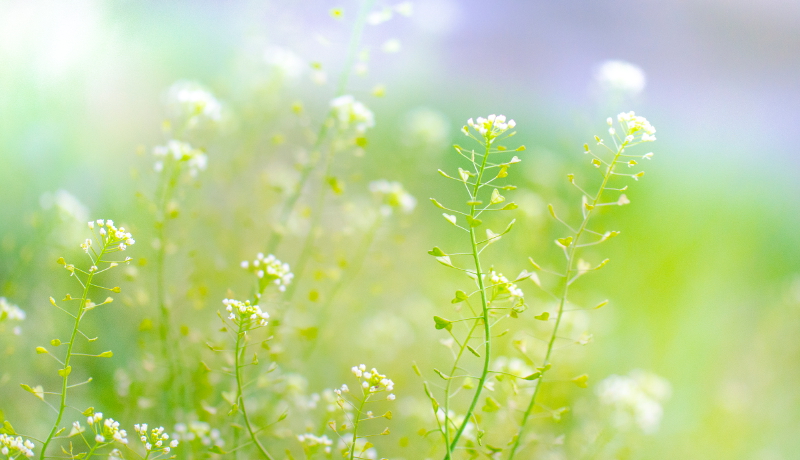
(275, 271)
(620, 76)
(490, 127)
(190, 100)
(351, 113)
(196, 159)
(243, 312)
(285, 61)
(392, 195)
(635, 398)
(10, 312)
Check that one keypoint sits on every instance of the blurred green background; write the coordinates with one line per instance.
(704, 281)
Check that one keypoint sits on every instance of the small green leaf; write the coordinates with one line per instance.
(436, 252)
(450, 218)
(601, 304)
(552, 211)
(581, 380)
(473, 351)
(503, 171)
(473, 222)
(441, 374)
(442, 323)
(42, 350)
(55, 342)
(437, 204)
(106, 354)
(89, 411)
(461, 296)
(8, 429)
(564, 242)
(65, 372)
(497, 197)
(509, 206)
(491, 405)
(533, 376)
(37, 391)
(543, 317)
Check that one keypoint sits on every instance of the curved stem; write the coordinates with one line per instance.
(563, 298)
(286, 212)
(485, 310)
(240, 349)
(355, 425)
(67, 369)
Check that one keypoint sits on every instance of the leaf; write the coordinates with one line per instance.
(473, 222)
(441, 374)
(581, 380)
(37, 391)
(461, 296)
(55, 342)
(564, 242)
(543, 317)
(89, 411)
(503, 171)
(509, 206)
(442, 323)
(106, 354)
(601, 304)
(497, 197)
(445, 260)
(463, 174)
(450, 218)
(436, 252)
(437, 204)
(65, 372)
(491, 405)
(552, 211)
(8, 429)
(42, 350)
(533, 376)
(473, 351)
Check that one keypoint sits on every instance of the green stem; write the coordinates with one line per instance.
(305, 175)
(563, 299)
(67, 369)
(355, 425)
(485, 309)
(240, 349)
(448, 385)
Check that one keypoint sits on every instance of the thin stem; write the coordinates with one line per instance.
(563, 298)
(240, 349)
(355, 425)
(305, 175)
(66, 370)
(485, 311)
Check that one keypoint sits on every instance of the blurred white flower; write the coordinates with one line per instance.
(392, 195)
(190, 100)
(349, 112)
(285, 61)
(426, 127)
(635, 399)
(66, 204)
(620, 76)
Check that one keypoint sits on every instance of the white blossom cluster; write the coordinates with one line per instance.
(270, 267)
(620, 77)
(380, 16)
(195, 158)
(190, 100)
(372, 381)
(110, 235)
(105, 431)
(14, 447)
(285, 61)
(243, 312)
(351, 113)
(9, 311)
(392, 195)
(200, 431)
(156, 441)
(503, 285)
(489, 127)
(635, 399)
(634, 126)
(514, 366)
(66, 204)
(313, 441)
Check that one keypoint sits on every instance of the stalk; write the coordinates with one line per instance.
(485, 311)
(563, 298)
(66, 369)
(240, 349)
(355, 426)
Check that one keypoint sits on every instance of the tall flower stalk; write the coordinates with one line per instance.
(634, 130)
(486, 131)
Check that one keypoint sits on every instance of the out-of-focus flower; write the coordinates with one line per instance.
(426, 127)
(392, 195)
(196, 159)
(620, 76)
(635, 399)
(190, 100)
(285, 61)
(351, 113)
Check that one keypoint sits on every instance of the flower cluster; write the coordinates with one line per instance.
(200, 431)
(392, 195)
(105, 431)
(9, 311)
(372, 380)
(349, 112)
(634, 125)
(195, 158)
(620, 76)
(490, 127)
(502, 285)
(110, 235)
(311, 440)
(243, 312)
(14, 447)
(270, 267)
(189, 99)
(156, 441)
(635, 398)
